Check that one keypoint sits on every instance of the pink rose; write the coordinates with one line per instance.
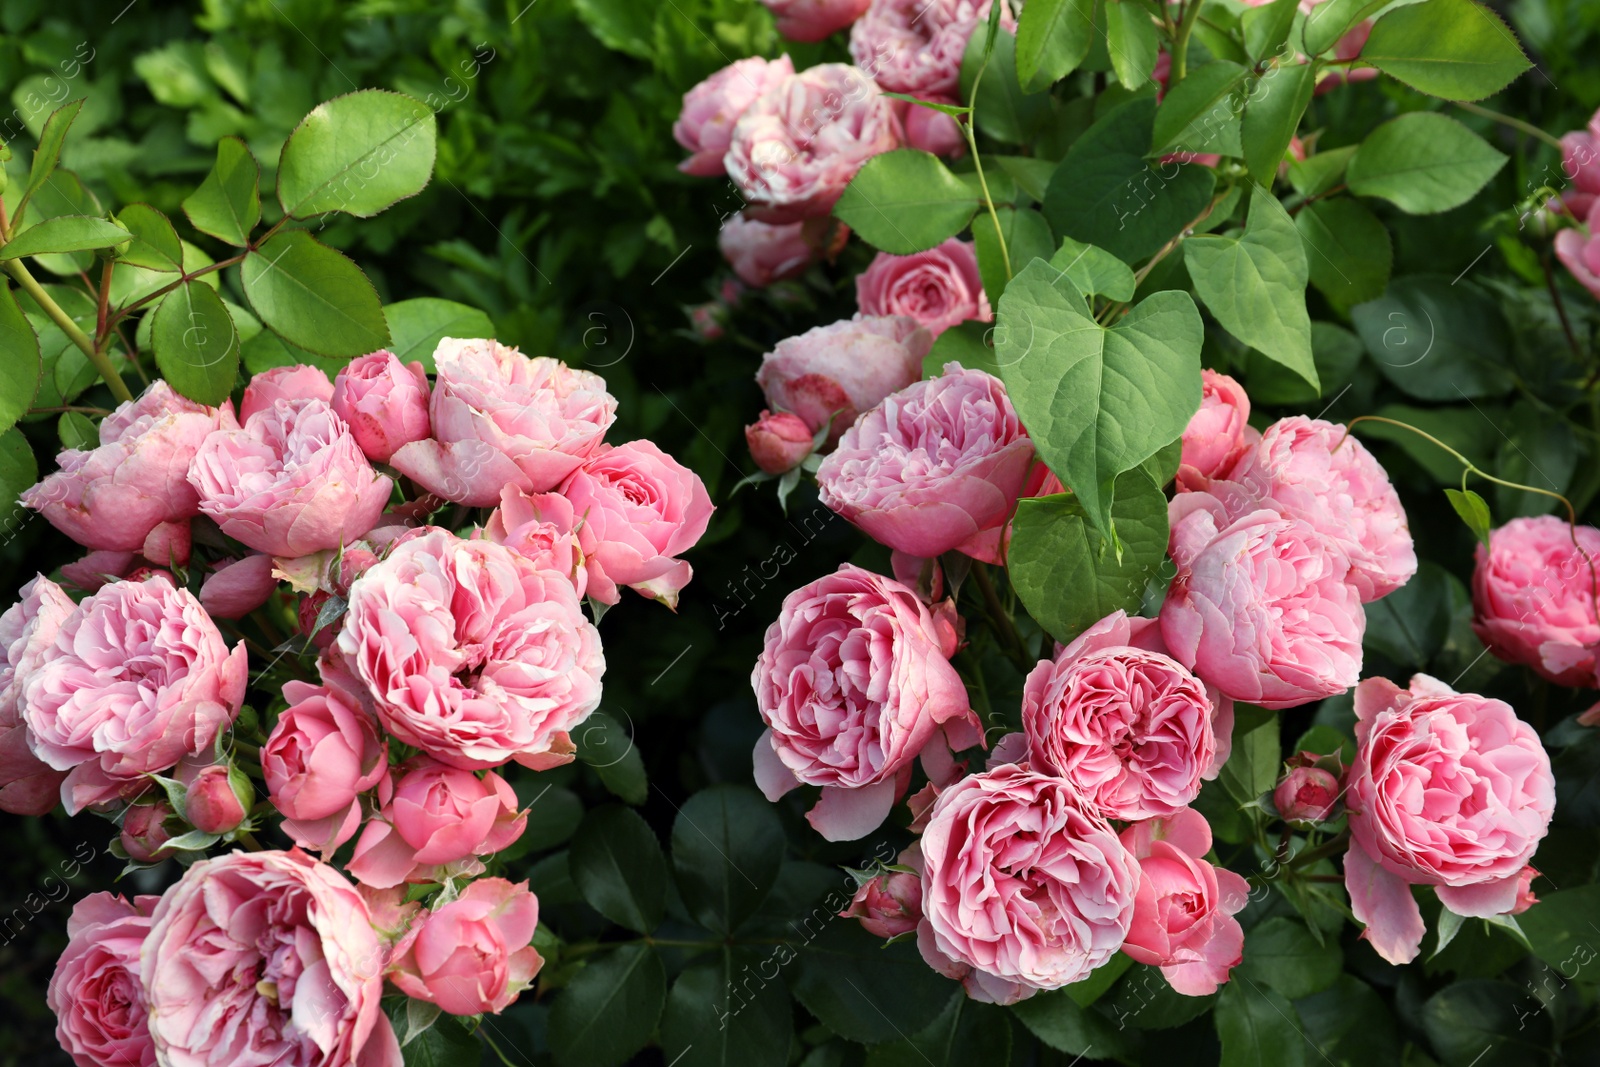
(889, 904)
(322, 754)
(1533, 593)
(113, 497)
(433, 824)
(474, 954)
(144, 834)
(778, 442)
(640, 509)
(1448, 789)
(939, 288)
(1260, 607)
(814, 20)
(705, 126)
(217, 798)
(238, 587)
(1024, 885)
(1578, 249)
(1129, 728)
(265, 958)
(1218, 434)
(915, 46)
(471, 654)
(934, 131)
(384, 402)
(137, 678)
(28, 785)
(933, 467)
(799, 144)
(101, 1018)
(1183, 916)
(1525, 897)
(761, 253)
(291, 482)
(299, 382)
(542, 528)
(501, 418)
(853, 683)
(841, 370)
(1307, 795)
(1580, 165)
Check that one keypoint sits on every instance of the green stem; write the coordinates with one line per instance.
(1180, 45)
(1322, 851)
(99, 359)
(977, 162)
(183, 279)
(1515, 123)
(999, 615)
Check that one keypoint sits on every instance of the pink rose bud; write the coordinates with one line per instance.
(814, 20)
(934, 131)
(706, 320)
(1532, 591)
(1580, 166)
(916, 46)
(474, 954)
(384, 401)
(1307, 795)
(838, 371)
(778, 442)
(218, 798)
(95, 993)
(939, 288)
(889, 904)
(96, 569)
(1579, 250)
(238, 587)
(1218, 434)
(28, 785)
(323, 753)
(144, 831)
(298, 382)
(710, 109)
(799, 144)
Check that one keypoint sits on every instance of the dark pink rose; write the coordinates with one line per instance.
(542, 527)
(933, 467)
(1024, 886)
(217, 798)
(761, 253)
(291, 482)
(640, 509)
(475, 954)
(814, 20)
(932, 130)
(841, 370)
(323, 753)
(939, 288)
(798, 145)
(238, 587)
(853, 683)
(112, 497)
(144, 831)
(298, 382)
(778, 442)
(915, 46)
(1448, 789)
(1218, 434)
(889, 904)
(384, 402)
(710, 109)
(95, 993)
(501, 418)
(266, 958)
(1533, 591)
(1307, 794)
(28, 785)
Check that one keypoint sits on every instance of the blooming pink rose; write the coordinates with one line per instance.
(840, 370)
(1183, 916)
(542, 527)
(915, 46)
(299, 382)
(1580, 165)
(238, 587)
(384, 402)
(101, 1019)
(778, 442)
(257, 958)
(933, 467)
(1448, 789)
(1260, 607)
(705, 126)
(761, 253)
(291, 482)
(1024, 885)
(1533, 593)
(474, 954)
(323, 752)
(853, 683)
(216, 798)
(889, 904)
(939, 287)
(144, 832)
(640, 510)
(799, 144)
(814, 20)
(1218, 434)
(933, 131)
(28, 785)
(1313, 470)
(1307, 794)
(1131, 729)
(501, 418)
(112, 497)
(472, 654)
(1578, 249)
(137, 678)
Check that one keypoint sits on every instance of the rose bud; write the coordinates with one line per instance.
(474, 954)
(144, 831)
(238, 587)
(1218, 434)
(814, 20)
(384, 401)
(218, 798)
(778, 442)
(934, 131)
(298, 382)
(322, 753)
(710, 109)
(706, 321)
(761, 253)
(1307, 795)
(889, 904)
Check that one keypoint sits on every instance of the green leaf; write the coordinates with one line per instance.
(66, 233)
(20, 365)
(1445, 932)
(1337, 353)
(447, 1043)
(313, 296)
(1423, 163)
(48, 154)
(1456, 49)
(1027, 236)
(358, 153)
(1085, 991)
(862, 988)
(62, 194)
(1437, 340)
(1558, 927)
(554, 814)
(1485, 1022)
(417, 326)
(155, 243)
(1272, 114)
(77, 430)
(18, 471)
(1410, 625)
(1474, 511)
(1055, 1019)
(906, 201)
(1097, 401)
(1252, 769)
(617, 865)
(727, 849)
(1003, 110)
(1281, 954)
(1255, 284)
(1067, 575)
(622, 25)
(730, 1012)
(1350, 1024)
(1201, 114)
(1258, 1027)
(966, 1032)
(609, 1009)
(228, 203)
(196, 343)
(1145, 1000)
(1316, 174)
(1053, 37)
(1133, 42)
(1330, 21)
(966, 344)
(1106, 193)
(1031, 175)
(609, 751)
(1093, 270)
(1348, 250)
(1266, 28)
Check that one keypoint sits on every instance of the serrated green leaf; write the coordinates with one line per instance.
(1027, 237)
(155, 245)
(1252, 769)
(417, 326)
(1318, 173)
(727, 849)
(1282, 955)
(196, 343)
(1258, 1027)
(618, 866)
(609, 750)
(1456, 49)
(48, 154)
(1474, 511)
(1053, 38)
(65, 233)
(359, 154)
(1266, 28)
(1423, 163)
(906, 201)
(1201, 114)
(1272, 113)
(1132, 41)
(864, 989)
(228, 203)
(18, 471)
(20, 364)
(1348, 251)
(313, 296)
(77, 430)
(1093, 270)
(609, 1009)
(716, 1017)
